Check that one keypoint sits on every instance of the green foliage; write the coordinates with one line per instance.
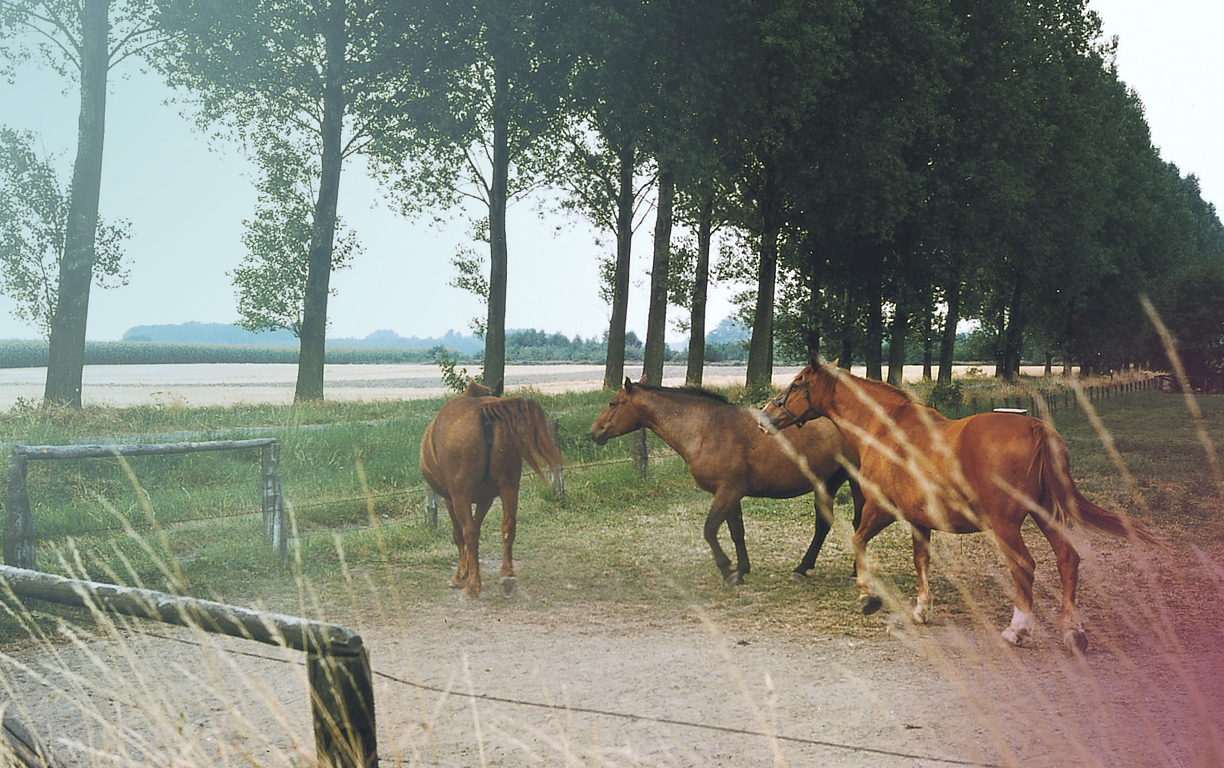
(455, 381)
(271, 281)
(33, 227)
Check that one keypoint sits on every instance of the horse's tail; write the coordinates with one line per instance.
(527, 424)
(1062, 498)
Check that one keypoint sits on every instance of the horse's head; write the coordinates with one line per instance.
(619, 418)
(795, 405)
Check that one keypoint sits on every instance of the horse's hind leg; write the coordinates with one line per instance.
(735, 525)
(467, 538)
(509, 498)
(1021, 564)
(823, 499)
(922, 565)
(1074, 637)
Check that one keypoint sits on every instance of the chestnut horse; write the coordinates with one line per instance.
(472, 452)
(983, 472)
(730, 457)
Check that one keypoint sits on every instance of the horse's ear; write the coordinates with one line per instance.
(628, 384)
(497, 389)
(642, 380)
(835, 362)
(813, 358)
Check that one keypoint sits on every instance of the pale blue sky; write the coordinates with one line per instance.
(186, 203)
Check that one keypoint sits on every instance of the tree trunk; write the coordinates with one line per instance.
(313, 348)
(874, 356)
(66, 354)
(701, 285)
(812, 332)
(656, 322)
(947, 345)
(614, 365)
(846, 358)
(760, 346)
(1013, 339)
(896, 346)
(495, 328)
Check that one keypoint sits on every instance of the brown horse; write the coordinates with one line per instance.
(983, 472)
(472, 452)
(730, 457)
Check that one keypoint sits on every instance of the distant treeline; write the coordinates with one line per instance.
(522, 347)
(33, 354)
(528, 346)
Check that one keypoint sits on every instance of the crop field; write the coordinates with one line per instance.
(622, 646)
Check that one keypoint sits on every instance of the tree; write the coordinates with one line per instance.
(82, 39)
(33, 229)
(323, 79)
(498, 130)
(272, 279)
(605, 173)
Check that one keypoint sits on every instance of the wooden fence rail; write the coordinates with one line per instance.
(20, 537)
(337, 665)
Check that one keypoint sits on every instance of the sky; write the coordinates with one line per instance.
(186, 198)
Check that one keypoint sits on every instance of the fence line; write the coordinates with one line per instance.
(20, 536)
(877, 751)
(338, 666)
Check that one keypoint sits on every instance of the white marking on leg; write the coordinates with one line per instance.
(1020, 633)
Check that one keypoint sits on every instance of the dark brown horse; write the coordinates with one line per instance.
(472, 453)
(983, 472)
(730, 457)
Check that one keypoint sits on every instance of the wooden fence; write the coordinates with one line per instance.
(20, 537)
(1054, 402)
(337, 665)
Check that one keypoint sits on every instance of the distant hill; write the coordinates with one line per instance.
(221, 333)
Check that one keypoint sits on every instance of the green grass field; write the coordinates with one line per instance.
(350, 474)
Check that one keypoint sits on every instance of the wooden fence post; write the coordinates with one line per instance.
(431, 508)
(273, 501)
(342, 706)
(556, 479)
(640, 452)
(19, 537)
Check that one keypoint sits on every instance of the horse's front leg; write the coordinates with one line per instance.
(725, 506)
(922, 564)
(874, 518)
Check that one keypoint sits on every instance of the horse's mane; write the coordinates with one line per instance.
(884, 393)
(689, 389)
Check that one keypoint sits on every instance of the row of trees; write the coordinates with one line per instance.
(881, 168)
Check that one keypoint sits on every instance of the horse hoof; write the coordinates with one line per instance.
(920, 616)
(508, 586)
(870, 604)
(734, 580)
(454, 584)
(1076, 641)
(1017, 639)
(798, 576)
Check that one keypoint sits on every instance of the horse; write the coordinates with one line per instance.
(472, 452)
(729, 456)
(984, 472)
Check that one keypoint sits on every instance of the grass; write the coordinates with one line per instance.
(354, 486)
(617, 545)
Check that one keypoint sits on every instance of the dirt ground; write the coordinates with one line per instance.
(506, 683)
